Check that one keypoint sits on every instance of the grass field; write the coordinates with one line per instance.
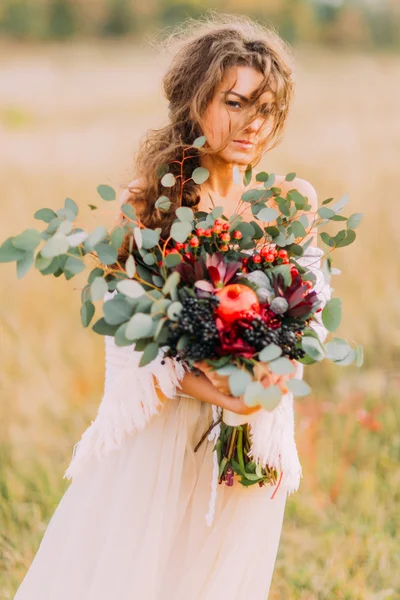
(70, 118)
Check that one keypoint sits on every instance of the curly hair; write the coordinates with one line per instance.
(202, 50)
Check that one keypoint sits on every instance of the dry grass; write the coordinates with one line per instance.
(70, 118)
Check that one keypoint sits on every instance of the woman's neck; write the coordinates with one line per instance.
(220, 183)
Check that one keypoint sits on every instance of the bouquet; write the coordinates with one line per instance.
(224, 295)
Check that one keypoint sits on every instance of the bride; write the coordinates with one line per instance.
(132, 523)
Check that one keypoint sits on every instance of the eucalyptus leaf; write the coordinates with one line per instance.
(171, 283)
(332, 314)
(290, 176)
(326, 213)
(117, 237)
(281, 366)
(71, 205)
(137, 234)
(149, 354)
(253, 195)
(180, 231)
(354, 220)
(106, 192)
(25, 263)
(337, 349)
(271, 397)
(74, 265)
(106, 253)
(247, 175)
(139, 326)
(56, 245)
(200, 175)
(172, 259)
(97, 235)
(150, 238)
(45, 214)
(184, 213)
(313, 348)
(199, 141)
(75, 239)
(238, 382)
(130, 266)
(359, 356)
(253, 393)
(87, 312)
(174, 310)
(270, 352)
(103, 328)
(163, 203)
(298, 387)
(299, 200)
(27, 240)
(298, 229)
(267, 214)
(132, 289)
(98, 288)
(117, 310)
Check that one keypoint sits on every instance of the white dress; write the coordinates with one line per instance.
(131, 525)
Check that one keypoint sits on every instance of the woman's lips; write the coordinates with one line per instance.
(244, 144)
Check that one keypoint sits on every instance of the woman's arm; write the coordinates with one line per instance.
(201, 388)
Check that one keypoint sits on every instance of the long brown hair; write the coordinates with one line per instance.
(203, 49)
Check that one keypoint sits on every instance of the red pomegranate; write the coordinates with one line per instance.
(237, 301)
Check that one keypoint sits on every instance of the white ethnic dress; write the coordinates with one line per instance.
(131, 525)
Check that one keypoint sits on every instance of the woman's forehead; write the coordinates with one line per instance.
(245, 81)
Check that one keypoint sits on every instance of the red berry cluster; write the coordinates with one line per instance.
(268, 254)
(218, 232)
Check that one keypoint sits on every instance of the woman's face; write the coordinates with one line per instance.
(226, 112)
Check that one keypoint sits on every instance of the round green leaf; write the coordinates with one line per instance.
(106, 192)
(103, 328)
(150, 238)
(174, 310)
(87, 312)
(337, 349)
(290, 176)
(9, 253)
(253, 393)
(267, 215)
(298, 229)
(117, 237)
(270, 352)
(200, 141)
(262, 176)
(252, 195)
(74, 265)
(25, 263)
(45, 214)
(106, 253)
(130, 288)
(69, 204)
(117, 310)
(56, 245)
(281, 366)
(332, 314)
(139, 326)
(298, 387)
(359, 356)
(200, 175)
(326, 213)
(66, 227)
(28, 240)
(168, 180)
(149, 354)
(171, 283)
(130, 266)
(238, 382)
(271, 397)
(171, 260)
(354, 220)
(97, 235)
(313, 348)
(96, 272)
(75, 239)
(120, 336)
(180, 231)
(149, 259)
(98, 288)
(163, 203)
(184, 213)
(137, 233)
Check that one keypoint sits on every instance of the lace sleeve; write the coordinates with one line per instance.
(132, 396)
(311, 260)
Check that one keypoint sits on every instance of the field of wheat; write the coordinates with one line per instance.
(71, 117)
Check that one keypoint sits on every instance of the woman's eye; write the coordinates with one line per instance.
(233, 103)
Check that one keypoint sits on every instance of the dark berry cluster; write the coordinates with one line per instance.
(195, 321)
(259, 335)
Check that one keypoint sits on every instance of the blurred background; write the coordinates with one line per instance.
(80, 83)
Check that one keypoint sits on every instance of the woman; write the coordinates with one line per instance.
(132, 523)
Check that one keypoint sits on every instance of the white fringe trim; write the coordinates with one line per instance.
(130, 400)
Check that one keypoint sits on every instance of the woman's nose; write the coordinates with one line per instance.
(255, 124)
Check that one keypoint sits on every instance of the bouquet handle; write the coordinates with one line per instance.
(233, 419)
